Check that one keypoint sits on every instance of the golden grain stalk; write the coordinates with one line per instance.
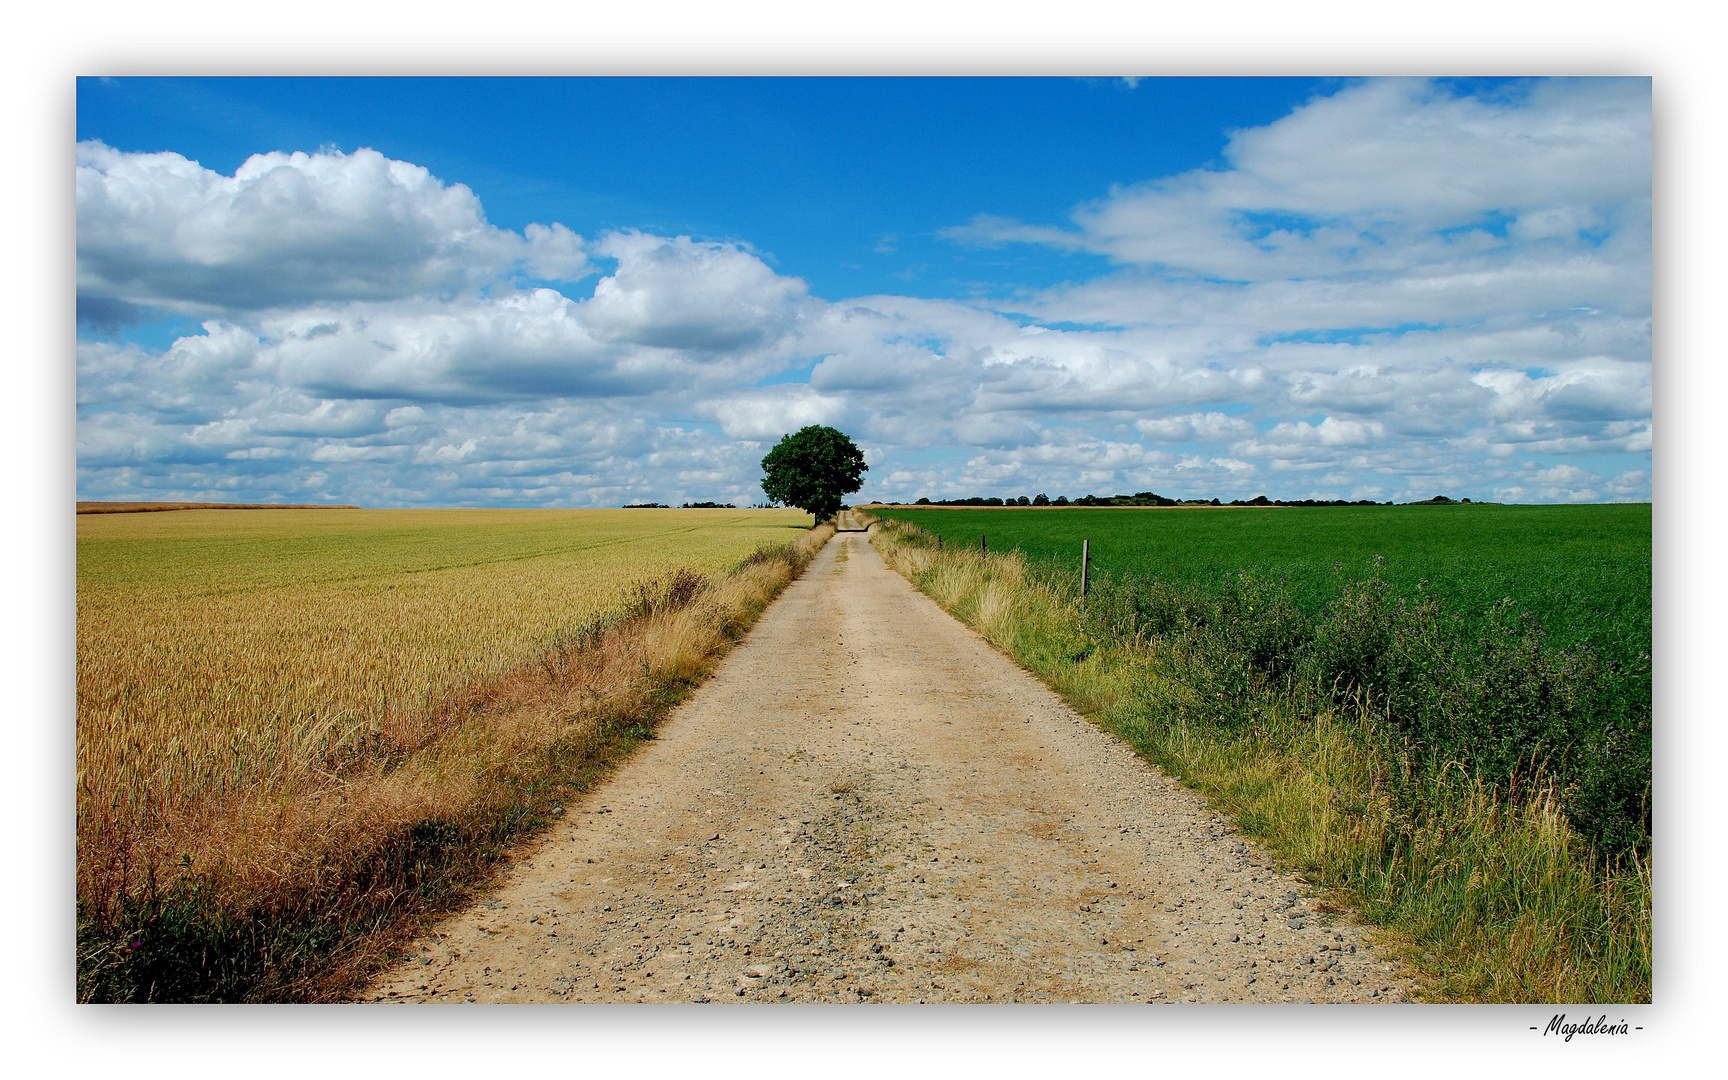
(256, 689)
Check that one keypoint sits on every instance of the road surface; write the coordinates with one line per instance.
(867, 803)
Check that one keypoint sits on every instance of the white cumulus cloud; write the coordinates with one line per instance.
(1396, 290)
(1194, 427)
(288, 229)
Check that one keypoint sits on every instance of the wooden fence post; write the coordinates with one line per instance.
(983, 546)
(1085, 567)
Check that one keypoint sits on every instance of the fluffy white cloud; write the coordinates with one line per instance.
(765, 415)
(1392, 292)
(1569, 483)
(700, 297)
(673, 316)
(288, 229)
(1383, 176)
(1209, 427)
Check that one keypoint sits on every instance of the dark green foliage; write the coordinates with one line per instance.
(1501, 703)
(813, 468)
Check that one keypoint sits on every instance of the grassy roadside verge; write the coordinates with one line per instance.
(1485, 890)
(302, 892)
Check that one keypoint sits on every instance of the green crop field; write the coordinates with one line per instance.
(1583, 571)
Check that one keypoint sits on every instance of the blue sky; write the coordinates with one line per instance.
(595, 291)
(812, 173)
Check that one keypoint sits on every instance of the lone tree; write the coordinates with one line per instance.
(811, 469)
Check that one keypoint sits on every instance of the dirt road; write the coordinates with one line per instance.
(868, 803)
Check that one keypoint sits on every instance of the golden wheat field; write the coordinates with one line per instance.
(234, 664)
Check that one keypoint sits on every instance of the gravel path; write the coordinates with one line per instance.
(868, 803)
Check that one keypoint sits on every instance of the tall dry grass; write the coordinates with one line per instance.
(1486, 891)
(255, 825)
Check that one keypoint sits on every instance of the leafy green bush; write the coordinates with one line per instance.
(1490, 695)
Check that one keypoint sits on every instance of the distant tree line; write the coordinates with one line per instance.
(1152, 498)
(1139, 498)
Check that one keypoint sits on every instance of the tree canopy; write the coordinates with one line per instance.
(812, 469)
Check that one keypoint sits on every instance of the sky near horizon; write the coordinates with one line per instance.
(590, 292)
